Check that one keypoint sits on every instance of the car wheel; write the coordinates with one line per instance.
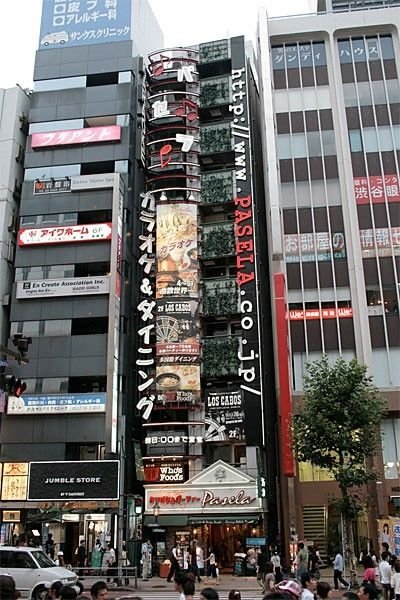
(45, 43)
(62, 41)
(40, 593)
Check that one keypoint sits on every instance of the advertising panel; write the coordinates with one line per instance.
(15, 481)
(56, 403)
(87, 135)
(164, 472)
(177, 328)
(67, 23)
(325, 313)
(176, 383)
(76, 480)
(376, 189)
(320, 246)
(63, 235)
(380, 242)
(71, 286)
(92, 182)
(224, 415)
(51, 186)
(249, 354)
(389, 533)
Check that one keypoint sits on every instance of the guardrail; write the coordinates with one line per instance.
(120, 573)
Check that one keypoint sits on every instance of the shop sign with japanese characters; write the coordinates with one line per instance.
(67, 23)
(45, 288)
(65, 234)
(14, 481)
(380, 242)
(87, 135)
(376, 189)
(320, 246)
(40, 404)
(164, 472)
(324, 313)
(51, 186)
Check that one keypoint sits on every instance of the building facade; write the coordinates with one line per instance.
(330, 95)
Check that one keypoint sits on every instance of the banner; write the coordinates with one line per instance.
(56, 404)
(63, 235)
(86, 135)
(80, 480)
(177, 329)
(320, 246)
(376, 189)
(176, 383)
(224, 416)
(389, 533)
(67, 23)
(45, 288)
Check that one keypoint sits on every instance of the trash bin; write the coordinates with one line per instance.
(164, 570)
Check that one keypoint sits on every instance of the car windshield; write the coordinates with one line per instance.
(42, 559)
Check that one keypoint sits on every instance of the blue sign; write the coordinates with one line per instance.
(253, 541)
(56, 404)
(67, 23)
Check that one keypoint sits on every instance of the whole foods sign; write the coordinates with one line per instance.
(71, 286)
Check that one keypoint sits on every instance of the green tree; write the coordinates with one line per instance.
(337, 427)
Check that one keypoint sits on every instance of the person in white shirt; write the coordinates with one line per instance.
(385, 573)
(338, 571)
(309, 585)
(395, 580)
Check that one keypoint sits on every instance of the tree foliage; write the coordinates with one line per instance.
(338, 426)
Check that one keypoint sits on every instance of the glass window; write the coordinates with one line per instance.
(355, 140)
(302, 99)
(344, 51)
(47, 172)
(29, 220)
(358, 49)
(123, 120)
(328, 143)
(54, 385)
(125, 77)
(387, 49)
(391, 447)
(314, 143)
(292, 57)
(63, 83)
(56, 327)
(121, 166)
(309, 472)
(44, 272)
(28, 328)
(55, 125)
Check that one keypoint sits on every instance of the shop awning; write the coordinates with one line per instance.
(221, 519)
(166, 520)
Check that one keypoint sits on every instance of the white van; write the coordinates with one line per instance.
(57, 37)
(32, 570)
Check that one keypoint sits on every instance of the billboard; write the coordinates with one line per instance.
(177, 328)
(54, 404)
(67, 23)
(376, 189)
(224, 415)
(389, 533)
(164, 472)
(76, 480)
(71, 286)
(74, 183)
(320, 246)
(65, 234)
(176, 383)
(86, 135)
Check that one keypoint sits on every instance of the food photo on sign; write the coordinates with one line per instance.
(178, 383)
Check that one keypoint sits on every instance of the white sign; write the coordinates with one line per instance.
(65, 234)
(92, 182)
(43, 288)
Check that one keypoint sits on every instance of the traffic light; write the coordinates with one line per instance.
(19, 388)
(13, 386)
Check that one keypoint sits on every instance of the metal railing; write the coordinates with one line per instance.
(118, 573)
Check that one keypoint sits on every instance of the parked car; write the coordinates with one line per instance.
(32, 570)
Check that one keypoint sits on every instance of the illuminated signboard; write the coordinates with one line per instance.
(73, 183)
(64, 234)
(87, 135)
(71, 286)
(320, 246)
(324, 313)
(67, 23)
(380, 241)
(224, 415)
(56, 404)
(376, 189)
(164, 472)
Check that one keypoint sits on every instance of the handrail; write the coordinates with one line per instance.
(119, 571)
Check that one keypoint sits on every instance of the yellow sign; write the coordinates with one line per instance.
(11, 516)
(15, 481)
(16, 468)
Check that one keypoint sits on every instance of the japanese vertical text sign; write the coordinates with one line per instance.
(249, 353)
(67, 23)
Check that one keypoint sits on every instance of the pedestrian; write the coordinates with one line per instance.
(7, 588)
(68, 592)
(312, 561)
(324, 590)
(109, 561)
(309, 585)
(189, 587)
(368, 591)
(194, 568)
(212, 572)
(125, 563)
(269, 579)
(350, 595)
(369, 575)
(301, 560)
(60, 559)
(54, 591)
(82, 556)
(99, 591)
(262, 560)
(49, 546)
(174, 563)
(200, 560)
(180, 580)
(276, 561)
(395, 580)
(146, 559)
(234, 595)
(289, 587)
(385, 573)
(338, 571)
(208, 594)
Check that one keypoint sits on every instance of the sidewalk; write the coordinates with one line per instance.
(227, 583)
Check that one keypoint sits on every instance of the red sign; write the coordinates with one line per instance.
(87, 135)
(376, 189)
(63, 235)
(325, 313)
(245, 244)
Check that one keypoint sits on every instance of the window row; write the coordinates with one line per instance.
(308, 120)
(73, 218)
(299, 145)
(65, 83)
(293, 56)
(374, 163)
(375, 139)
(60, 327)
(90, 384)
(385, 300)
(371, 93)
(373, 116)
(306, 169)
(90, 168)
(62, 271)
(368, 48)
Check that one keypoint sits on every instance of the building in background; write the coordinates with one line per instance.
(75, 274)
(330, 94)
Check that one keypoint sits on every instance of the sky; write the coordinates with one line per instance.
(211, 20)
